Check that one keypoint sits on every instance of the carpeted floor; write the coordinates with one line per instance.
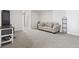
(41, 39)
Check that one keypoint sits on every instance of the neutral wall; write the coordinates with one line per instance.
(35, 17)
(46, 16)
(41, 15)
(27, 19)
(73, 21)
(21, 19)
(0, 17)
(52, 16)
(58, 15)
(16, 17)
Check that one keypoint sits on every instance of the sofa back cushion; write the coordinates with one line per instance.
(42, 23)
(48, 24)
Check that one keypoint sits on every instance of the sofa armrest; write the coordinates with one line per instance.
(56, 28)
(38, 25)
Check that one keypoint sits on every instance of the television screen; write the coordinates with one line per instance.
(5, 18)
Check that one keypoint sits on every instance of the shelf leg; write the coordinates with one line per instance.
(0, 45)
(12, 42)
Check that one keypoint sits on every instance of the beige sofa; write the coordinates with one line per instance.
(50, 27)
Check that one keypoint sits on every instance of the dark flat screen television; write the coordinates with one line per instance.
(5, 18)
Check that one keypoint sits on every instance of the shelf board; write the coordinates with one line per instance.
(6, 41)
(64, 19)
(64, 23)
(64, 27)
(6, 35)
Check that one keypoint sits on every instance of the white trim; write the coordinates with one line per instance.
(73, 33)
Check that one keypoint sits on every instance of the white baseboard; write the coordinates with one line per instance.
(73, 33)
(26, 29)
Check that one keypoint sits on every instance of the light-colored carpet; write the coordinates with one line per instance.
(41, 39)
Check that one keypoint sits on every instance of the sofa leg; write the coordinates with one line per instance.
(54, 33)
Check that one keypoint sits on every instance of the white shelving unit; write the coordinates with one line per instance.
(64, 25)
(5, 35)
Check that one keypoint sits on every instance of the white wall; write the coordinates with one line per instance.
(73, 21)
(21, 19)
(46, 16)
(35, 17)
(16, 17)
(58, 15)
(0, 17)
(27, 21)
(52, 16)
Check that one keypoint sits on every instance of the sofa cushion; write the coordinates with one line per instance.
(42, 23)
(45, 28)
(48, 24)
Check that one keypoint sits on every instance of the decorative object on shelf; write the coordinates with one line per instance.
(64, 24)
